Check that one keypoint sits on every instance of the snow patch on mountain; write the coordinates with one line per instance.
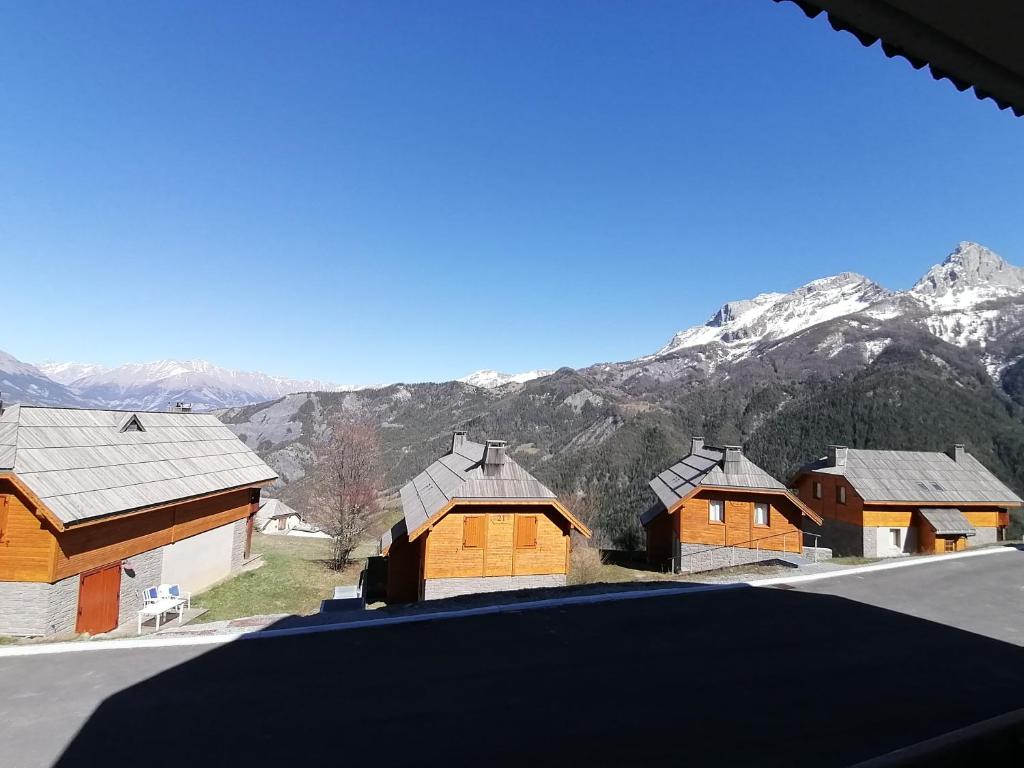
(491, 379)
(970, 275)
(740, 325)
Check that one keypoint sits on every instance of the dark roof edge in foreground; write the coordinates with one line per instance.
(922, 45)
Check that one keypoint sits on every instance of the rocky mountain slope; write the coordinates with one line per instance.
(839, 359)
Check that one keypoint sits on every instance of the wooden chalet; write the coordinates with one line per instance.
(475, 521)
(97, 505)
(891, 503)
(716, 508)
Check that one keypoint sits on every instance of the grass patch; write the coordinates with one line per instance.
(294, 580)
(7, 640)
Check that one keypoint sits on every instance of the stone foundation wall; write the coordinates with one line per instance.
(145, 570)
(34, 609)
(238, 544)
(844, 539)
(982, 537)
(817, 554)
(62, 607)
(436, 589)
(23, 608)
(695, 558)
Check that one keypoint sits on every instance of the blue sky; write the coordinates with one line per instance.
(364, 192)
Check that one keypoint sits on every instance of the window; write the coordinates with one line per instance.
(841, 494)
(760, 514)
(896, 538)
(817, 489)
(472, 532)
(3, 519)
(949, 545)
(282, 523)
(716, 511)
(526, 531)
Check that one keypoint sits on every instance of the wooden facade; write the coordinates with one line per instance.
(821, 492)
(481, 539)
(33, 549)
(690, 522)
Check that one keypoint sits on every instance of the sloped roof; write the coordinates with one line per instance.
(83, 464)
(706, 466)
(948, 521)
(271, 509)
(918, 476)
(461, 475)
(973, 44)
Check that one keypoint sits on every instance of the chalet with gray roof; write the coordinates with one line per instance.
(476, 521)
(715, 507)
(890, 503)
(97, 505)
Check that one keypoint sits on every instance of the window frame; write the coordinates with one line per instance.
(720, 520)
(520, 519)
(4, 518)
(840, 494)
(767, 514)
(896, 538)
(817, 490)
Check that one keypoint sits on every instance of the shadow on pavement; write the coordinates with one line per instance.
(756, 677)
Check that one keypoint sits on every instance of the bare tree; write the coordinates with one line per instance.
(347, 478)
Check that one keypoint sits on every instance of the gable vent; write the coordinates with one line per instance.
(132, 424)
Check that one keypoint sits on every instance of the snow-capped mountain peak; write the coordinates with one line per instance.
(969, 275)
(490, 379)
(741, 324)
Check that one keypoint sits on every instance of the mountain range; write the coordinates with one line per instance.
(840, 359)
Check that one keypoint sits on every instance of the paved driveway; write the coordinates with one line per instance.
(825, 674)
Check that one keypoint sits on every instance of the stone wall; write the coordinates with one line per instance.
(62, 608)
(982, 537)
(844, 539)
(145, 570)
(436, 589)
(817, 554)
(695, 558)
(35, 609)
(238, 544)
(23, 608)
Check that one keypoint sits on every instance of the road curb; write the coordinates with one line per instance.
(533, 605)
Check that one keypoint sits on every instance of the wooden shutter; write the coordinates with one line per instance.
(526, 531)
(472, 532)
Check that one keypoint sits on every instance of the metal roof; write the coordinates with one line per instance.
(948, 521)
(706, 466)
(973, 44)
(918, 476)
(461, 475)
(82, 464)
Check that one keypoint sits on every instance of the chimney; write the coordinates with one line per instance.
(494, 454)
(957, 452)
(837, 456)
(733, 454)
(696, 444)
(458, 438)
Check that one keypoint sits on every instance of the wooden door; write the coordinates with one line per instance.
(98, 597)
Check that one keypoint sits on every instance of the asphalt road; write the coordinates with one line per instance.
(823, 674)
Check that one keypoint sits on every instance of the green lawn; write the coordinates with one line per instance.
(294, 580)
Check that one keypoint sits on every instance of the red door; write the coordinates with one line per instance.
(98, 598)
